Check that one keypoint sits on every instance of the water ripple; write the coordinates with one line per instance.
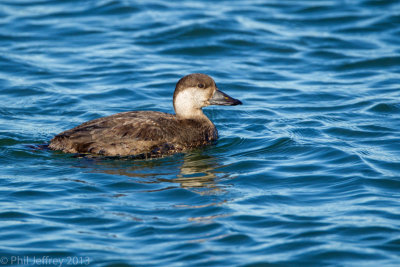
(304, 173)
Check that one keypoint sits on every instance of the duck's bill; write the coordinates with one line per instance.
(222, 99)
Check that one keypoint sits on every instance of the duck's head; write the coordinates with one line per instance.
(195, 91)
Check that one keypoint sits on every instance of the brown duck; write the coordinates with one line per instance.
(148, 134)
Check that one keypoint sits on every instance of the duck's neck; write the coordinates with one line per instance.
(197, 115)
(200, 127)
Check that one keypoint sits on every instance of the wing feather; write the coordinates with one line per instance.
(126, 133)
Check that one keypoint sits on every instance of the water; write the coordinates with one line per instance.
(306, 172)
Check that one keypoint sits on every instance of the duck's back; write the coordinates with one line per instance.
(135, 133)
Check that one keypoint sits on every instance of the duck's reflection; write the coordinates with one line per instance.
(195, 171)
(198, 173)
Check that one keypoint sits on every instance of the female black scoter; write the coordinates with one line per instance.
(149, 134)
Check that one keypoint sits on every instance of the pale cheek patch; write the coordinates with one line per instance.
(201, 98)
(189, 102)
(184, 102)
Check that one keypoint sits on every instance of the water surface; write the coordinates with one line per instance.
(306, 172)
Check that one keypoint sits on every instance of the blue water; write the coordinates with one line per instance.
(306, 172)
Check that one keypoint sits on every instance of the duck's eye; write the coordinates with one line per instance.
(200, 85)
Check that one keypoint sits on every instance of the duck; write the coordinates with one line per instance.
(151, 134)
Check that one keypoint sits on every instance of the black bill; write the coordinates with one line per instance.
(222, 99)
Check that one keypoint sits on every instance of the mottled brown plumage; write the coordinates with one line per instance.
(148, 134)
